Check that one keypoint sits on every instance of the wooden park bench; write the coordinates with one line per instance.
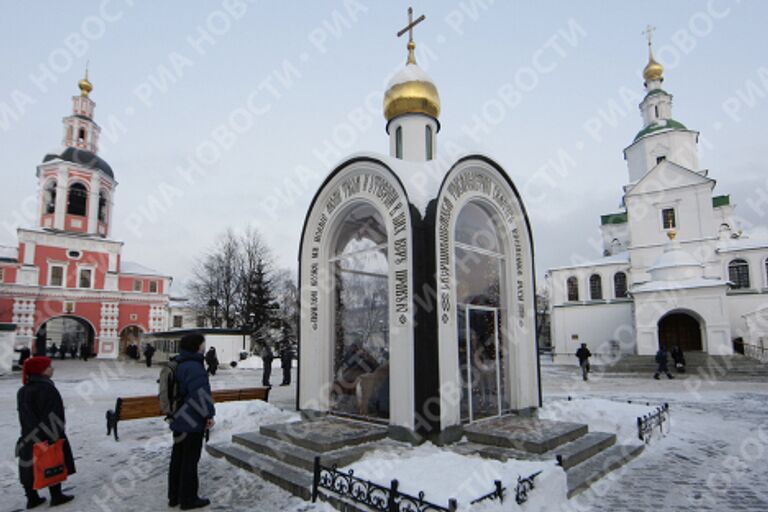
(139, 407)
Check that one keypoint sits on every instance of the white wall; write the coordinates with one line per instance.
(596, 325)
(7, 356)
(228, 346)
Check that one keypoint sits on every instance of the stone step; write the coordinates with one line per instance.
(581, 476)
(297, 456)
(526, 434)
(296, 481)
(326, 434)
(583, 448)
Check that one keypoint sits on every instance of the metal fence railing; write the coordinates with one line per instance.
(655, 423)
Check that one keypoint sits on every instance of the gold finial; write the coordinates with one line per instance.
(671, 234)
(653, 70)
(85, 86)
(409, 28)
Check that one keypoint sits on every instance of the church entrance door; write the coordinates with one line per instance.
(480, 359)
(681, 330)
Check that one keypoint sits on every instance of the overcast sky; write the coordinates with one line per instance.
(230, 113)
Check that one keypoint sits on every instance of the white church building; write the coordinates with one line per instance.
(676, 269)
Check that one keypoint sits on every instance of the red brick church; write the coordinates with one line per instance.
(67, 274)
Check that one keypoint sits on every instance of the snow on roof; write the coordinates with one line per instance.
(614, 259)
(658, 286)
(9, 253)
(740, 244)
(130, 267)
(675, 257)
(410, 73)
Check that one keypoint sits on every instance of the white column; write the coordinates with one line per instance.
(93, 204)
(61, 199)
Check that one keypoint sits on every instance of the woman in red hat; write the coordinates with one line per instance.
(41, 415)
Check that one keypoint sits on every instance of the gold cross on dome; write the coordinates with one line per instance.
(648, 33)
(411, 23)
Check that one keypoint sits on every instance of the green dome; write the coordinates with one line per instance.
(663, 124)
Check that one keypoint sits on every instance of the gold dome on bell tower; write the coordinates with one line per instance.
(85, 86)
(411, 90)
(653, 71)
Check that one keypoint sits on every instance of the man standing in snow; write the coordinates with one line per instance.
(661, 360)
(583, 354)
(267, 357)
(149, 351)
(189, 423)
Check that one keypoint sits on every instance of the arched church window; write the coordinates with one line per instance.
(480, 262)
(50, 197)
(738, 273)
(102, 207)
(656, 111)
(620, 285)
(399, 142)
(572, 284)
(361, 298)
(595, 287)
(428, 141)
(81, 135)
(77, 200)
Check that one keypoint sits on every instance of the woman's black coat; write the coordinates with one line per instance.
(41, 415)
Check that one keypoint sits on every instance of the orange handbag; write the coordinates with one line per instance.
(48, 464)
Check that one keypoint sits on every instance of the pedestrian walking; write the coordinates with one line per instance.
(41, 416)
(212, 361)
(678, 358)
(24, 354)
(190, 421)
(85, 352)
(661, 361)
(149, 351)
(286, 361)
(583, 354)
(41, 341)
(267, 357)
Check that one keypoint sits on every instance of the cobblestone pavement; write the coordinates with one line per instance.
(714, 458)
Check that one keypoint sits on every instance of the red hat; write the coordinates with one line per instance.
(34, 366)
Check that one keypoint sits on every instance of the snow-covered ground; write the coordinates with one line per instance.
(713, 458)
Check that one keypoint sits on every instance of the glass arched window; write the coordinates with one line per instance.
(620, 285)
(428, 141)
(77, 199)
(480, 260)
(49, 197)
(103, 207)
(572, 284)
(595, 287)
(738, 273)
(399, 142)
(361, 301)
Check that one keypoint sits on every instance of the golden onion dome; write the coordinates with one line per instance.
(411, 91)
(653, 70)
(85, 86)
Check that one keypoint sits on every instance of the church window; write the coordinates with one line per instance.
(137, 285)
(656, 111)
(56, 275)
(200, 321)
(668, 218)
(573, 288)
(399, 142)
(428, 136)
(81, 135)
(2, 275)
(738, 273)
(102, 207)
(78, 199)
(50, 197)
(153, 287)
(178, 321)
(660, 159)
(360, 267)
(595, 287)
(620, 285)
(85, 279)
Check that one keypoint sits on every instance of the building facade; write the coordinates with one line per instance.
(676, 270)
(67, 274)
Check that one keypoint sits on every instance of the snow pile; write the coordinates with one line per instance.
(601, 415)
(442, 474)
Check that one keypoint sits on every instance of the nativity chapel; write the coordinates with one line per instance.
(677, 269)
(417, 285)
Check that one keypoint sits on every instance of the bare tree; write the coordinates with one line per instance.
(215, 283)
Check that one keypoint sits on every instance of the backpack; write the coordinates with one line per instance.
(169, 394)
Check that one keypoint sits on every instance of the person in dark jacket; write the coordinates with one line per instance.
(149, 351)
(583, 354)
(267, 357)
(41, 341)
(24, 354)
(212, 361)
(41, 415)
(661, 361)
(678, 358)
(286, 361)
(85, 352)
(189, 424)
